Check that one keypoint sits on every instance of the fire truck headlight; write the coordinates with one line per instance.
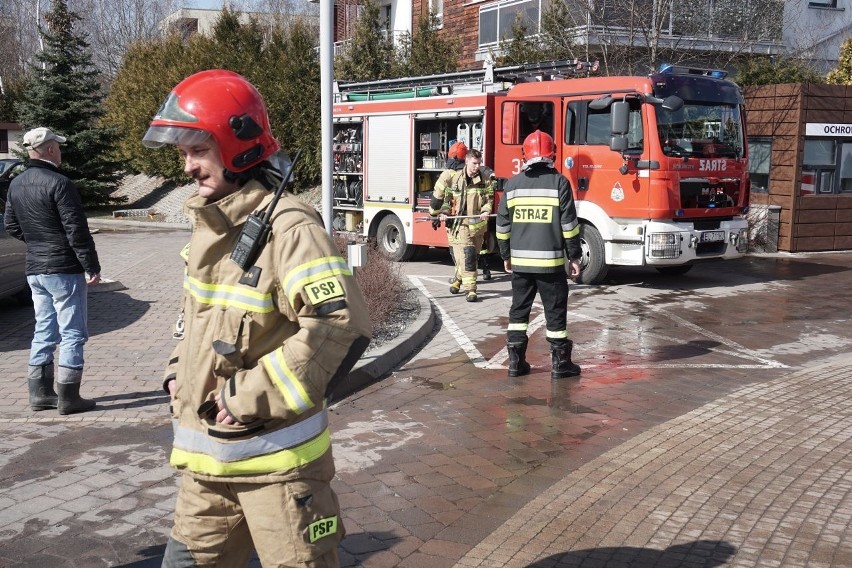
(664, 245)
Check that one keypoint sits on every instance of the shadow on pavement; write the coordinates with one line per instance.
(742, 271)
(108, 311)
(701, 553)
(127, 400)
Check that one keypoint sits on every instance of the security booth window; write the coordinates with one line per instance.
(818, 167)
(759, 163)
(846, 167)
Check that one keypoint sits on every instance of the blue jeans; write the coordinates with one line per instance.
(60, 312)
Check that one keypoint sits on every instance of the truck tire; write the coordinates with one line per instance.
(593, 259)
(674, 270)
(390, 238)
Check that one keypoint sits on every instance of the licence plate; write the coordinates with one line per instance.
(712, 236)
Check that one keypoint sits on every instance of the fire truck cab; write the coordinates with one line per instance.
(658, 164)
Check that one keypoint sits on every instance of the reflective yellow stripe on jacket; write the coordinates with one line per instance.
(281, 450)
(224, 295)
(313, 271)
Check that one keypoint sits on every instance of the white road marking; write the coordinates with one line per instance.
(499, 359)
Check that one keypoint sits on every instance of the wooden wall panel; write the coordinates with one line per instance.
(814, 230)
(843, 229)
(842, 243)
(821, 216)
(812, 244)
(817, 202)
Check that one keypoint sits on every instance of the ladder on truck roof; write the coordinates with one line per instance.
(486, 80)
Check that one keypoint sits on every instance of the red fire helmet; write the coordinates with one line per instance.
(458, 151)
(217, 103)
(538, 147)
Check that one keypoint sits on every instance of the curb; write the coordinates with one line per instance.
(387, 357)
(98, 222)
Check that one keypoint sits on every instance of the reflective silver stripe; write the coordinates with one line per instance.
(287, 382)
(531, 192)
(518, 326)
(195, 441)
(557, 334)
(537, 253)
(229, 296)
(312, 271)
(568, 226)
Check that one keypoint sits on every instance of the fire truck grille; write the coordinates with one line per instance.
(702, 193)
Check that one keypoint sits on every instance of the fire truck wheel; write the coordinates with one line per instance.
(390, 238)
(674, 270)
(592, 245)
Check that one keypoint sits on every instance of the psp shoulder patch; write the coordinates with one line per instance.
(324, 290)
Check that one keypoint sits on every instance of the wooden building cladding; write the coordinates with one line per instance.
(781, 113)
(461, 21)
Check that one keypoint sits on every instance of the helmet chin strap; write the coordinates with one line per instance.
(264, 172)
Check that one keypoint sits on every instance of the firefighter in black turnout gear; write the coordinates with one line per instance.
(537, 227)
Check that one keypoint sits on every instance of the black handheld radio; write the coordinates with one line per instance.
(256, 228)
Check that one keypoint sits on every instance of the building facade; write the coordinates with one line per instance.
(800, 158)
(813, 29)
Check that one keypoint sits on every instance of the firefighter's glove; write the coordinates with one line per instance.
(436, 222)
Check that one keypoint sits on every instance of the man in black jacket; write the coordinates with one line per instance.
(45, 211)
(537, 228)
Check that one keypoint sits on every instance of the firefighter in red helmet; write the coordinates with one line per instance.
(464, 192)
(537, 228)
(262, 346)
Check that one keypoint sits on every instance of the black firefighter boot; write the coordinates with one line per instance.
(40, 382)
(68, 386)
(561, 361)
(518, 365)
(483, 264)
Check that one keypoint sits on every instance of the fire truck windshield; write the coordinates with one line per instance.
(703, 130)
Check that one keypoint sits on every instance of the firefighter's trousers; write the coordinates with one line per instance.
(466, 244)
(219, 524)
(553, 289)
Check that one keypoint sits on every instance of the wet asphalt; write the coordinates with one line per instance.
(711, 426)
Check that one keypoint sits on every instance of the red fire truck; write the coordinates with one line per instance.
(658, 164)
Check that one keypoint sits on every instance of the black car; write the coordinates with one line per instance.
(13, 252)
(9, 167)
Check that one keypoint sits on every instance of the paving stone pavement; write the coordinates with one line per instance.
(695, 443)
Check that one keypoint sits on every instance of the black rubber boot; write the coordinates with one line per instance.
(518, 365)
(471, 296)
(486, 270)
(455, 286)
(561, 361)
(40, 383)
(70, 401)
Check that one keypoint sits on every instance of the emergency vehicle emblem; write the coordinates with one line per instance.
(617, 193)
(569, 163)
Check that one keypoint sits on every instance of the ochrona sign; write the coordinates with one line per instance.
(828, 129)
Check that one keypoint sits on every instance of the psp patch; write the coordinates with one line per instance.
(324, 290)
(322, 528)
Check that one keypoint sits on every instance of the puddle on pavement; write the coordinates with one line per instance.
(555, 402)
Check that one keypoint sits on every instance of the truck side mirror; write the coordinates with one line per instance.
(619, 125)
(618, 143)
(620, 117)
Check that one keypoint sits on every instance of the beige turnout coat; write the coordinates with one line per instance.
(271, 341)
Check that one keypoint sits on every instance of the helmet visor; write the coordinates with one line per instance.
(158, 136)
